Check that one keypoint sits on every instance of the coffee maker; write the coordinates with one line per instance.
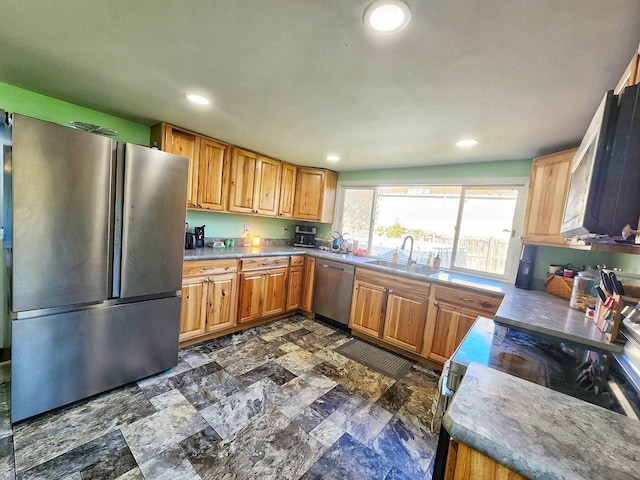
(199, 234)
(305, 236)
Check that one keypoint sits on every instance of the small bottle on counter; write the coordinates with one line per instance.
(430, 260)
(394, 257)
(436, 261)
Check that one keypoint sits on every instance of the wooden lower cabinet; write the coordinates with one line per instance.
(308, 281)
(192, 311)
(465, 463)
(208, 301)
(447, 329)
(452, 315)
(263, 288)
(405, 320)
(393, 309)
(367, 308)
(294, 283)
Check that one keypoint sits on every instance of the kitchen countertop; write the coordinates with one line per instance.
(541, 433)
(524, 309)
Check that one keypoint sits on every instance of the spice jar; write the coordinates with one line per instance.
(584, 294)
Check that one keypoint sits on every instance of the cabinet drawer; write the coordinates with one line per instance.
(464, 298)
(193, 268)
(258, 263)
(297, 260)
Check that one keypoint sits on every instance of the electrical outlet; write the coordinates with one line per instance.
(285, 231)
(246, 228)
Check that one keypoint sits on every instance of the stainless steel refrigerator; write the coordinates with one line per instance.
(94, 237)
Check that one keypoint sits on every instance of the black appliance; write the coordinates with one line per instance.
(525, 268)
(609, 380)
(603, 192)
(305, 236)
(199, 236)
(189, 241)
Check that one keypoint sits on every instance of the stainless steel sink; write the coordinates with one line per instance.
(402, 267)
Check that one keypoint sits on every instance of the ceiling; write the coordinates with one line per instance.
(300, 79)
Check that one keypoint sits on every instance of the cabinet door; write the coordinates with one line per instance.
(242, 181)
(548, 187)
(450, 324)
(307, 283)
(630, 76)
(222, 299)
(405, 319)
(309, 194)
(368, 308)
(187, 145)
(287, 189)
(213, 175)
(250, 297)
(275, 292)
(294, 290)
(193, 308)
(465, 463)
(267, 186)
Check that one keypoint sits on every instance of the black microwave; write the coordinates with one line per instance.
(603, 193)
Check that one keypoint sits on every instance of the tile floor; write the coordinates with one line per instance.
(273, 402)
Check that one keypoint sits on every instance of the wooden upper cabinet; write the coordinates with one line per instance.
(208, 164)
(184, 143)
(254, 185)
(315, 194)
(548, 188)
(242, 181)
(213, 175)
(267, 187)
(287, 190)
(631, 75)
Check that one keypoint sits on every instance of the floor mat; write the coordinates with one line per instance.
(377, 359)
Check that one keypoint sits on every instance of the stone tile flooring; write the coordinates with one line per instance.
(272, 402)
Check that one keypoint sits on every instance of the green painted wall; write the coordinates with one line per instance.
(508, 168)
(19, 100)
(223, 225)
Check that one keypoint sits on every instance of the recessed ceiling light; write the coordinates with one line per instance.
(199, 99)
(387, 16)
(332, 158)
(467, 142)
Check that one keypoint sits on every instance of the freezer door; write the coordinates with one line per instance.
(61, 181)
(153, 219)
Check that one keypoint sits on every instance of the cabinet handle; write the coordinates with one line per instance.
(466, 299)
(224, 293)
(486, 304)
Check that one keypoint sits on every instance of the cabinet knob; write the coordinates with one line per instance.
(224, 293)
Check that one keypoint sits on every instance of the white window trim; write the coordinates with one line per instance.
(519, 183)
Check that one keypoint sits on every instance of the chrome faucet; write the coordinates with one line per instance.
(410, 261)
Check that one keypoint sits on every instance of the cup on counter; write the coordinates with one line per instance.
(554, 268)
(228, 242)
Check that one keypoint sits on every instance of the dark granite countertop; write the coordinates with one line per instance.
(524, 309)
(541, 433)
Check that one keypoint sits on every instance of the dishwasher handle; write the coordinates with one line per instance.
(324, 265)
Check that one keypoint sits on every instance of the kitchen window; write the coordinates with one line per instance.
(471, 228)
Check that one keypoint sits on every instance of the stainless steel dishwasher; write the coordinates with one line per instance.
(332, 290)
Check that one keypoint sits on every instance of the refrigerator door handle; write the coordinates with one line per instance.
(117, 205)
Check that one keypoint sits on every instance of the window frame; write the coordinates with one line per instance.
(515, 245)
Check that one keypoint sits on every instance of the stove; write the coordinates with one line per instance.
(611, 381)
